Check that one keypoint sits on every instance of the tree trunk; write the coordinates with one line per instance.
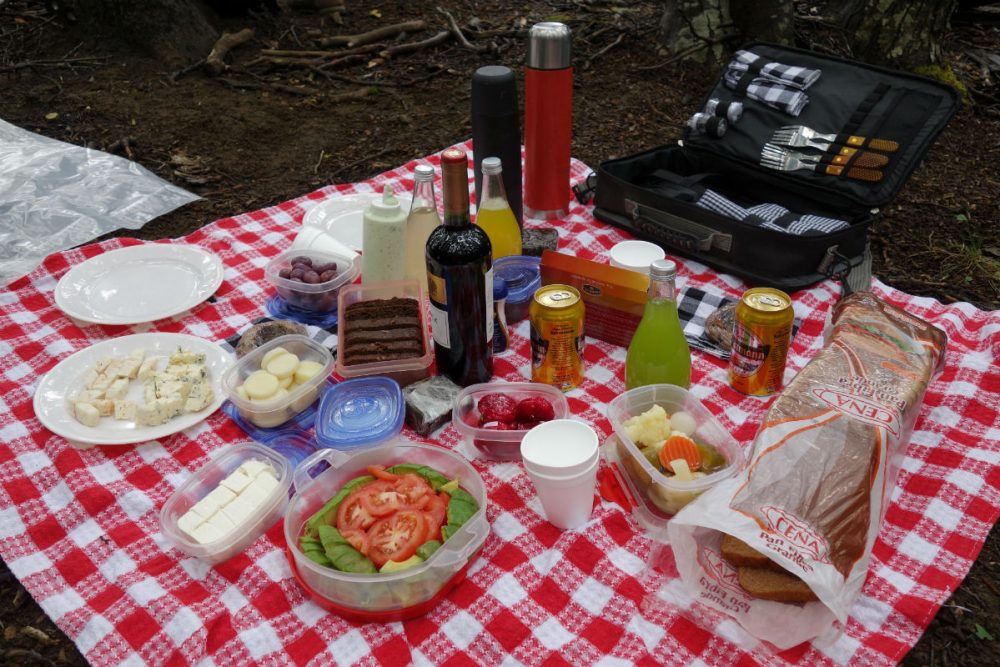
(694, 30)
(176, 32)
(905, 34)
(697, 30)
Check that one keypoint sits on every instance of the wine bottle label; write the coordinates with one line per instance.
(439, 326)
(489, 305)
(438, 296)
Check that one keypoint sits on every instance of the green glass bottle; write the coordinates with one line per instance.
(658, 352)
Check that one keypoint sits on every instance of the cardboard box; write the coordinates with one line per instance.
(613, 298)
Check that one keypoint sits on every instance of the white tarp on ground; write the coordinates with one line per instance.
(55, 196)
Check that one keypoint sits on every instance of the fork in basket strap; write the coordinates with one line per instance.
(782, 159)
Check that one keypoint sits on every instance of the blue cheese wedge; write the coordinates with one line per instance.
(231, 505)
(160, 411)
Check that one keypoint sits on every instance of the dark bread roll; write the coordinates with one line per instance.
(265, 332)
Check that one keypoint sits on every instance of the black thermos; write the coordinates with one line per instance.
(496, 130)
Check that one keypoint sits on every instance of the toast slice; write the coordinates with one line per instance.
(740, 554)
(768, 584)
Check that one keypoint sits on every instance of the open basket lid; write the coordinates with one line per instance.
(849, 98)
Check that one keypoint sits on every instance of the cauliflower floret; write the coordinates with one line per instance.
(650, 428)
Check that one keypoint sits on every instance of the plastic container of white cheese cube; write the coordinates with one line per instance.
(270, 413)
(266, 510)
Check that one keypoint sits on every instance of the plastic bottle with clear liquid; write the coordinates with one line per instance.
(422, 220)
(658, 352)
(494, 214)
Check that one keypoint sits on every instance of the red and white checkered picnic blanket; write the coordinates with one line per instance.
(80, 529)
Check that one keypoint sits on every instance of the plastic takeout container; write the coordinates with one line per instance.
(493, 443)
(390, 596)
(205, 480)
(267, 414)
(403, 371)
(635, 255)
(318, 297)
(658, 496)
(523, 275)
(360, 412)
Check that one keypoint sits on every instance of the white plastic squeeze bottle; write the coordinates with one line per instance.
(383, 240)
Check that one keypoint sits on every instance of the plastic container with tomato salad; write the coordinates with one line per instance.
(655, 497)
(389, 596)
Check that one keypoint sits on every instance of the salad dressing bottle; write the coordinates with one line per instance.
(422, 220)
(383, 234)
(658, 352)
(494, 214)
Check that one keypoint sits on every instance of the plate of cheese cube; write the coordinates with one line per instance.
(132, 389)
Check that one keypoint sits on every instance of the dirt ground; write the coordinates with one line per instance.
(266, 131)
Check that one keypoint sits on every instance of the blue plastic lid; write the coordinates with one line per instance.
(523, 275)
(499, 288)
(293, 445)
(359, 412)
(281, 309)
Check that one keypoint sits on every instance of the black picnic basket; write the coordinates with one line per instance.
(891, 118)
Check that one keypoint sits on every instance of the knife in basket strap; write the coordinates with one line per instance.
(875, 144)
(857, 173)
(864, 158)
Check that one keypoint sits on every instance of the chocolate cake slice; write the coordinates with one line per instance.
(381, 330)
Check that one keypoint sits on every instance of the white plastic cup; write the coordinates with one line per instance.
(567, 501)
(561, 457)
(313, 238)
(636, 255)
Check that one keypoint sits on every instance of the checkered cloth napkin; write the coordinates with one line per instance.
(776, 85)
(80, 529)
(771, 216)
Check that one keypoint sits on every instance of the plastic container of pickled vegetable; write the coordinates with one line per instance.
(382, 596)
(655, 495)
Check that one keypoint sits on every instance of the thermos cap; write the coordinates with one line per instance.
(494, 91)
(549, 46)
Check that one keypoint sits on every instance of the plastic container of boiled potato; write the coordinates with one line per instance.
(268, 413)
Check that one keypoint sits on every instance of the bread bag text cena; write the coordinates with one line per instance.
(813, 496)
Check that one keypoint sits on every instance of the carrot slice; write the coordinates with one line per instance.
(680, 447)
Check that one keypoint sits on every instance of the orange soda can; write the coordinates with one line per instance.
(761, 334)
(557, 340)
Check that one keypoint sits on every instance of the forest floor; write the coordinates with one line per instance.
(266, 131)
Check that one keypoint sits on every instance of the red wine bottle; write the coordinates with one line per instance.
(460, 282)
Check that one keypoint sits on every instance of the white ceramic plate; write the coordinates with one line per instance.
(341, 217)
(69, 377)
(139, 284)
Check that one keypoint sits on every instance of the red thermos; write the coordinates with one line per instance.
(548, 121)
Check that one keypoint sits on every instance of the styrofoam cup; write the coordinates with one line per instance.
(559, 448)
(636, 255)
(313, 238)
(569, 500)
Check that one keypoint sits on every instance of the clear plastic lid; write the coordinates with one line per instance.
(523, 275)
(359, 412)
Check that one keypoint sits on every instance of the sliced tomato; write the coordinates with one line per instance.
(396, 537)
(379, 472)
(381, 498)
(357, 539)
(413, 488)
(436, 514)
(351, 514)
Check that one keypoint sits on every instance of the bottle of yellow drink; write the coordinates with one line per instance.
(494, 215)
(659, 353)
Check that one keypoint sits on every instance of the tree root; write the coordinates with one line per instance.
(215, 62)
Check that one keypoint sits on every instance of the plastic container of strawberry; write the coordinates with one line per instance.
(493, 417)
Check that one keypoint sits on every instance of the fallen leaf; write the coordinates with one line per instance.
(992, 251)
(377, 13)
(52, 115)
(983, 633)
